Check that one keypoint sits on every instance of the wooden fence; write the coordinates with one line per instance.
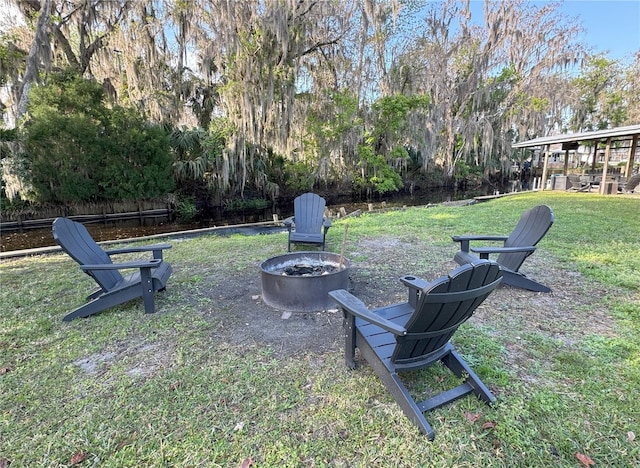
(43, 219)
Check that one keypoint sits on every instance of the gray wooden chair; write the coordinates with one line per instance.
(308, 225)
(415, 334)
(114, 288)
(516, 247)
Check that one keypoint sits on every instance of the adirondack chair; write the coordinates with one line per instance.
(415, 334)
(114, 289)
(517, 246)
(308, 224)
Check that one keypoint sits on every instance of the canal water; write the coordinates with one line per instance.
(35, 238)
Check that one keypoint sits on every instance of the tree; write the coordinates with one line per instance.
(120, 43)
(318, 88)
(264, 44)
(39, 53)
(483, 80)
(201, 163)
(598, 96)
(631, 91)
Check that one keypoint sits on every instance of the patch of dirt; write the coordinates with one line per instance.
(139, 359)
(376, 265)
(574, 308)
(242, 318)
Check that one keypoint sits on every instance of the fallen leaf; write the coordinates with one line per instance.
(120, 445)
(4, 370)
(489, 425)
(77, 457)
(631, 436)
(473, 417)
(247, 462)
(174, 386)
(255, 297)
(586, 461)
(4, 463)
(239, 426)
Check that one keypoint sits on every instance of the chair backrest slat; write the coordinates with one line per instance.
(76, 241)
(443, 306)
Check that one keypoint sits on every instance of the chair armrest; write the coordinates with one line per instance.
(141, 248)
(354, 306)
(414, 283)
(326, 224)
(464, 240)
(490, 250)
(474, 237)
(157, 250)
(154, 263)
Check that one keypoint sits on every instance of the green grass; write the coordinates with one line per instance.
(127, 389)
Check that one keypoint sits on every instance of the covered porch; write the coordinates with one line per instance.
(608, 179)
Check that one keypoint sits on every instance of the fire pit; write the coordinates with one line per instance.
(301, 281)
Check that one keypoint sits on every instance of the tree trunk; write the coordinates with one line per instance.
(40, 49)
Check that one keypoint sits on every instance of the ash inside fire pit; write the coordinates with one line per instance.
(301, 281)
(307, 269)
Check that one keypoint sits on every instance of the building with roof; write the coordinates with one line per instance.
(573, 150)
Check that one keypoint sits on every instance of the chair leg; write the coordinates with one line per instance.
(394, 385)
(147, 290)
(97, 293)
(106, 301)
(408, 405)
(350, 341)
(459, 367)
(86, 310)
(518, 280)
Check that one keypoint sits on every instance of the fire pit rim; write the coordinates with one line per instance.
(342, 262)
(302, 293)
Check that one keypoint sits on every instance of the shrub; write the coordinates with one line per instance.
(186, 209)
(375, 174)
(78, 149)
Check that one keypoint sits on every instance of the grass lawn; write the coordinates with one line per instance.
(198, 384)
